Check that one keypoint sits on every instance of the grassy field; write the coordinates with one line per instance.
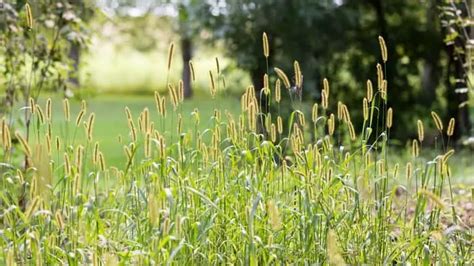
(110, 124)
(223, 193)
(144, 180)
(111, 118)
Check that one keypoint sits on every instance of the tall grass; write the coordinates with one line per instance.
(242, 191)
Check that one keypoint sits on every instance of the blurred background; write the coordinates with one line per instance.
(115, 52)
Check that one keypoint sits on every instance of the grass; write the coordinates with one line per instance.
(110, 124)
(111, 118)
(225, 187)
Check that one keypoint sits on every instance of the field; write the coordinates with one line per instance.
(198, 189)
(111, 118)
(110, 124)
(123, 169)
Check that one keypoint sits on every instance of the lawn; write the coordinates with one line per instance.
(111, 123)
(236, 197)
(111, 120)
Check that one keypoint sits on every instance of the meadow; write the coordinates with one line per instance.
(160, 180)
(110, 125)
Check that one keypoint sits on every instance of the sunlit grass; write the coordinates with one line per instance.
(217, 181)
(111, 118)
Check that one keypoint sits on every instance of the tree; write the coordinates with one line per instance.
(33, 59)
(34, 54)
(458, 30)
(83, 12)
(338, 40)
(188, 22)
(189, 19)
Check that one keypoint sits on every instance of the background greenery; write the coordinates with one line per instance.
(127, 41)
(333, 39)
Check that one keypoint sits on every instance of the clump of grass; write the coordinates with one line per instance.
(242, 191)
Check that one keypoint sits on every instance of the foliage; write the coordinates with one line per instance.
(337, 39)
(188, 20)
(458, 30)
(456, 19)
(229, 194)
(36, 55)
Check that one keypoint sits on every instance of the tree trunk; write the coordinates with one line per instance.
(430, 76)
(187, 54)
(456, 98)
(75, 56)
(458, 94)
(379, 10)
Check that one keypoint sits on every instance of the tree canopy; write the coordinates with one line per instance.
(338, 40)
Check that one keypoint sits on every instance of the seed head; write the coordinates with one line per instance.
(383, 90)
(298, 76)
(389, 117)
(408, 171)
(339, 110)
(370, 91)
(273, 132)
(66, 109)
(279, 125)
(48, 109)
(148, 145)
(163, 107)
(331, 124)
(283, 77)
(32, 105)
(6, 139)
(95, 156)
(101, 161)
(437, 121)
(451, 124)
(180, 91)
(40, 113)
(173, 96)
(29, 16)
(90, 126)
(213, 84)
(266, 85)
(346, 116)
(366, 109)
(58, 143)
(383, 49)
(278, 90)
(218, 68)
(314, 113)
(324, 100)
(266, 47)
(79, 117)
(421, 132)
(79, 157)
(415, 148)
(170, 55)
(191, 69)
